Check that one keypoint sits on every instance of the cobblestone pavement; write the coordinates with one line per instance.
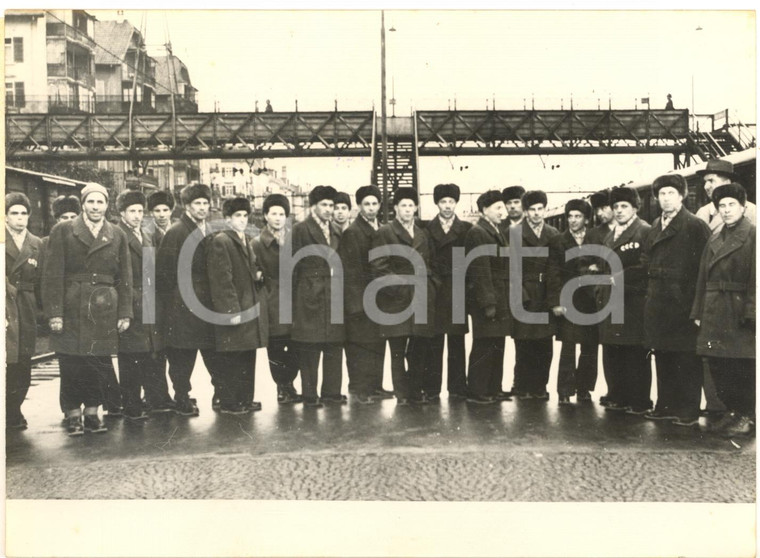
(516, 451)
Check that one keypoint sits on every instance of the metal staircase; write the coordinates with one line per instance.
(402, 155)
(714, 137)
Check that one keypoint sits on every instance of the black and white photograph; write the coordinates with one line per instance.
(382, 281)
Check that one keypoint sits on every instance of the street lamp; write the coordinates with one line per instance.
(383, 118)
(693, 112)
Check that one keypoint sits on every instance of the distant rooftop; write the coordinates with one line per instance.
(114, 37)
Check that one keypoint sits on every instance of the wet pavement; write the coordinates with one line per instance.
(513, 451)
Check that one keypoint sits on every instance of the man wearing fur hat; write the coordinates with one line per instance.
(235, 279)
(23, 252)
(185, 332)
(160, 205)
(87, 298)
(672, 251)
(141, 360)
(573, 379)
(342, 211)
(314, 327)
(365, 349)
(625, 357)
(512, 197)
(487, 282)
(718, 172)
(533, 342)
(281, 350)
(446, 232)
(408, 340)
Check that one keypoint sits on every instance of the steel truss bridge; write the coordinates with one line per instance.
(222, 135)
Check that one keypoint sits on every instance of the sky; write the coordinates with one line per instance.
(473, 58)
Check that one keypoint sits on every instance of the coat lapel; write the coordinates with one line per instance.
(627, 234)
(315, 230)
(134, 244)
(671, 230)
(401, 232)
(105, 237)
(10, 248)
(81, 232)
(488, 227)
(721, 248)
(24, 254)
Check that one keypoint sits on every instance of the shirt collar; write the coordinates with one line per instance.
(18, 238)
(374, 224)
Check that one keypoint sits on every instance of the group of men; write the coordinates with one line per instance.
(157, 293)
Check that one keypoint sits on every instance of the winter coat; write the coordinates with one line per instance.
(312, 288)
(629, 248)
(182, 329)
(355, 245)
(22, 271)
(561, 272)
(397, 298)
(11, 323)
(443, 245)
(267, 252)
(487, 283)
(534, 281)
(232, 269)
(671, 257)
(88, 282)
(725, 296)
(139, 337)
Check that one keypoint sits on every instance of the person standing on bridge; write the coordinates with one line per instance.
(724, 310)
(447, 232)
(23, 254)
(534, 343)
(625, 358)
(487, 303)
(365, 349)
(87, 298)
(669, 104)
(314, 327)
(672, 250)
(573, 379)
(185, 332)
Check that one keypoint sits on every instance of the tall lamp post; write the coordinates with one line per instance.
(383, 118)
(693, 113)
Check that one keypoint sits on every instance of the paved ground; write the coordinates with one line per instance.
(516, 451)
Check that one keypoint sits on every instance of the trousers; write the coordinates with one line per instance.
(407, 381)
(81, 379)
(631, 375)
(181, 364)
(735, 381)
(365, 362)
(486, 369)
(533, 359)
(679, 383)
(332, 368)
(456, 377)
(18, 378)
(575, 378)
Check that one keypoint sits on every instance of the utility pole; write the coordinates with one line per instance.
(383, 118)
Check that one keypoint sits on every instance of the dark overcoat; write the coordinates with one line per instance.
(267, 252)
(11, 323)
(725, 295)
(22, 271)
(182, 329)
(672, 259)
(442, 263)
(397, 298)
(355, 245)
(139, 337)
(232, 269)
(487, 283)
(87, 282)
(629, 247)
(534, 281)
(312, 287)
(597, 234)
(562, 272)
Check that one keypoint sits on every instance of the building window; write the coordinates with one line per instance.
(14, 49)
(14, 94)
(8, 49)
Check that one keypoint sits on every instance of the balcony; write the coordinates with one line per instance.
(115, 104)
(82, 75)
(66, 31)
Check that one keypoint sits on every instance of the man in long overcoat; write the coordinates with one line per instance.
(446, 232)
(142, 364)
(725, 311)
(281, 351)
(87, 298)
(533, 342)
(365, 349)
(23, 255)
(622, 344)
(235, 279)
(409, 340)
(487, 284)
(573, 378)
(672, 252)
(185, 332)
(314, 327)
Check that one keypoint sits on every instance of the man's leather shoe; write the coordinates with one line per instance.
(365, 399)
(252, 406)
(74, 426)
(313, 402)
(502, 396)
(686, 421)
(431, 398)
(136, 417)
(660, 415)
(480, 399)
(383, 394)
(564, 400)
(335, 399)
(743, 426)
(92, 423)
(233, 410)
(583, 396)
(611, 406)
(637, 411)
(457, 396)
(186, 408)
